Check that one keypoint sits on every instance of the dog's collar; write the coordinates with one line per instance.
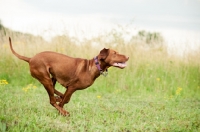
(99, 68)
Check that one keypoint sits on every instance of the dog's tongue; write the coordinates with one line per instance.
(122, 65)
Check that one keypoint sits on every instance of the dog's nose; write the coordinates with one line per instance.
(127, 57)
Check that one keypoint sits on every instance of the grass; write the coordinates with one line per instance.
(156, 92)
(96, 110)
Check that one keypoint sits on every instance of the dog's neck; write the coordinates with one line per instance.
(103, 71)
(97, 64)
(97, 68)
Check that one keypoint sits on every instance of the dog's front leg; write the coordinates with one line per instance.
(60, 95)
(67, 96)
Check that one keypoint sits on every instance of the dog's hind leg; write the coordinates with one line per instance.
(45, 79)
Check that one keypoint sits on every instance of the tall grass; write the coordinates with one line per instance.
(155, 92)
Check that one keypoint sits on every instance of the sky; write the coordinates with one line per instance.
(177, 20)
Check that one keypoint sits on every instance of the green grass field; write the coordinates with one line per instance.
(155, 92)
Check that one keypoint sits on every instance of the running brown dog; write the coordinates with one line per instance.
(72, 73)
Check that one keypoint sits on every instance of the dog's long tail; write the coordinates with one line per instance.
(16, 54)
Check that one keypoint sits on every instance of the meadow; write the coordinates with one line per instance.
(155, 92)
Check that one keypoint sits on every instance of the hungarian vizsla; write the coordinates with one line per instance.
(72, 73)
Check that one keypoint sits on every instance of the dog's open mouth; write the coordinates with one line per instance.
(120, 65)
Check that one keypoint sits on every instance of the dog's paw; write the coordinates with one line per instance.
(64, 112)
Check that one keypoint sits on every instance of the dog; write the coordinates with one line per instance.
(72, 73)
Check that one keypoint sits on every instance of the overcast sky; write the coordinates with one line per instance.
(173, 18)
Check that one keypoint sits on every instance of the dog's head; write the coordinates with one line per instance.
(112, 58)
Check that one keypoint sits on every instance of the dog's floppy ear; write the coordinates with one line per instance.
(103, 54)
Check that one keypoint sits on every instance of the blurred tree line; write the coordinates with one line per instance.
(114, 38)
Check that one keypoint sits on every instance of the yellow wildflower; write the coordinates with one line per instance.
(158, 79)
(25, 89)
(99, 96)
(3, 82)
(29, 87)
(178, 90)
